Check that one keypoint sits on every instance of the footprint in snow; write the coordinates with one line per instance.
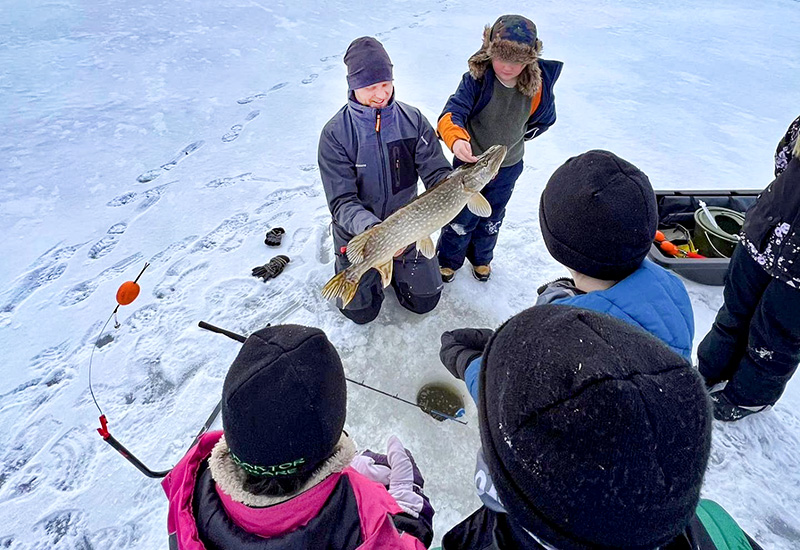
(236, 129)
(261, 95)
(109, 242)
(150, 175)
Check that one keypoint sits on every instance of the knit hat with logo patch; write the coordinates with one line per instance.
(598, 215)
(367, 63)
(284, 401)
(595, 433)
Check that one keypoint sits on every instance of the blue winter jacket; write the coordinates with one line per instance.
(650, 298)
(473, 95)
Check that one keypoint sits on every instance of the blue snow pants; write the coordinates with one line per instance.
(472, 237)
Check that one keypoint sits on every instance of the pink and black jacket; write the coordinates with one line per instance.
(343, 511)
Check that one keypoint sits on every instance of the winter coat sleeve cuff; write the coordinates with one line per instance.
(450, 132)
(472, 378)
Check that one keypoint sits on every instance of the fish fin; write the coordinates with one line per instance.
(425, 245)
(356, 246)
(479, 206)
(386, 272)
(340, 287)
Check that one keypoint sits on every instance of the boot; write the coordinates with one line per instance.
(482, 272)
(726, 411)
(447, 274)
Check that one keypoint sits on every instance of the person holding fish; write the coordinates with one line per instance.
(371, 154)
(506, 98)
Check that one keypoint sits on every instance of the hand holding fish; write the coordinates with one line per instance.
(414, 223)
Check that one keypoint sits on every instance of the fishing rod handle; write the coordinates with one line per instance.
(229, 334)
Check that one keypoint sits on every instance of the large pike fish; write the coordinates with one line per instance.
(415, 222)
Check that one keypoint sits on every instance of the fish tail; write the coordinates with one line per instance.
(340, 287)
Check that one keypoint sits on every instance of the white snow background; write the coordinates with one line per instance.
(177, 132)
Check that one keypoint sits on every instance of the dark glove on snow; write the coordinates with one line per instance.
(461, 346)
(274, 236)
(272, 268)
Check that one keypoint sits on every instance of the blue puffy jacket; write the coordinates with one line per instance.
(650, 298)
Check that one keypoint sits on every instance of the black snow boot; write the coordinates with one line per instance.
(726, 411)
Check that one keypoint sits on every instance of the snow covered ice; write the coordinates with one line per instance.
(179, 132)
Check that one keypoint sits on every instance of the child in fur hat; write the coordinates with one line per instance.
(505, 98)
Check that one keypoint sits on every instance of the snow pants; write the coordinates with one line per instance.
(472, 237)
(754, 343)
(415, 279)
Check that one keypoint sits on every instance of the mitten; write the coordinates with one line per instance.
(461, 346)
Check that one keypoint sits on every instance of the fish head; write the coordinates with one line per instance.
(480, 173)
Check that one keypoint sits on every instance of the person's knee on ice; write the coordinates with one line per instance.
(362, 316)
(419, 303)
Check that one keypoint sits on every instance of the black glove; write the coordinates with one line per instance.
(274, 236)
(461, 346)
(272, 268)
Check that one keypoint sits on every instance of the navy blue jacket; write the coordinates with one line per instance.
(473, 95)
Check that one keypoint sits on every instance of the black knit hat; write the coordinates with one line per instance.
(367, 63)
(284, 401)
(598, 215)
(595, 433)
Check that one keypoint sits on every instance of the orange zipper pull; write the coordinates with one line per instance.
(378, 123)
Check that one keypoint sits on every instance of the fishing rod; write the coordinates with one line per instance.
(240, 338)
(126, 295)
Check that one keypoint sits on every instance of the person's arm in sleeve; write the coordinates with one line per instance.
(452, 122)
(539, 122)
(432, 166)
(544, 115)
(472, 378)
(338, 175)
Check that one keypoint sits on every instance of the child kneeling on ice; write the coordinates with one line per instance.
(282, 473)
(597, 436)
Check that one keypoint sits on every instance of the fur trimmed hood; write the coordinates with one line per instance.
(230, 477)
(512, 38)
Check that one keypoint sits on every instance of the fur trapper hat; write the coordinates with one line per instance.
(512, 38)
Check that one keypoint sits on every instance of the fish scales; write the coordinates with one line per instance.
(414, 223)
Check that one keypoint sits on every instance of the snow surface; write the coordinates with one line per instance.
(179, 132)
